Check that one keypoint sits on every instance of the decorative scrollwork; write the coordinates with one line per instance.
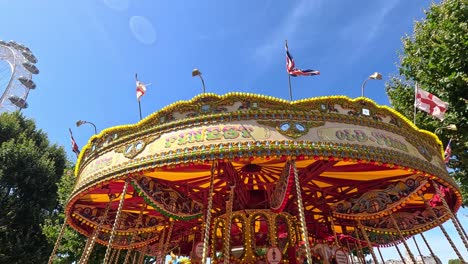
(134, 148)
(291, 128)
(376, 201)
(167, 200)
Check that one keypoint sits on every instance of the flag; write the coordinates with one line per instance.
(73, 144)
(291, 67)
(430, 103)
(140, 89)
(448, 152)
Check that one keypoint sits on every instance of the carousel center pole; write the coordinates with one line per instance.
(206, 237)
(300, 207)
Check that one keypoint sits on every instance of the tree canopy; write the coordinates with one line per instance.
(29, 170)
(435, 57)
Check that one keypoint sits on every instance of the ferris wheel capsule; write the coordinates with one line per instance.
(29, 56)
(27, 82)
(18, 101)
(31, 67)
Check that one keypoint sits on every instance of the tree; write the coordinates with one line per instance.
(454, 261)
(29, 169)
(435, 57)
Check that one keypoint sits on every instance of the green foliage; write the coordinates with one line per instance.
(435, 57)
(29, 168)
(454, 261)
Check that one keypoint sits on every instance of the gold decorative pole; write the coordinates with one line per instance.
(459, 224)
(112, 256)
(452, 217)
(161, 245)
(358, 246)
(57, 242)
(436, 218)
(116, 221)
(371, 249)
(381, 257)
(350, 253)
(402, 239)
(429, 247)
(399, 252)
(417, 247)
(137, 223)
(300, 207)
(134, 256)
(227, 237)
(142, 255)
(89, 246)
(117, 257)
(168, 238)
(333, 230)
(206, 237)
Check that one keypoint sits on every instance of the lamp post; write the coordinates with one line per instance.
(196, 72)
(82, 122)
(452, 127)
(374, 76)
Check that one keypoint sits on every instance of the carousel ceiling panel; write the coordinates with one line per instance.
(171, 175)
(321, 184)
(366, 175)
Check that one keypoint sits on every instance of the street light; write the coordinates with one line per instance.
(374, 76)
(452, 127)
(82, 122)
(196, 72)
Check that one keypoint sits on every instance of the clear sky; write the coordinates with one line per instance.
(89, 51)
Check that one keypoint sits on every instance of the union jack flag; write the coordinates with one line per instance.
(73, 144)
(291, 66)
(448, 152)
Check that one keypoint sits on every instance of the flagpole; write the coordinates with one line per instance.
(139, 107)
(290, 89)
(415, 97)
(289, 77)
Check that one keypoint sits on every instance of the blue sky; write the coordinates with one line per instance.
(89, 51)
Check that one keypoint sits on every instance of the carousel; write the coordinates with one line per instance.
(245, 178)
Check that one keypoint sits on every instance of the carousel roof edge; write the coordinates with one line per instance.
(152, 119)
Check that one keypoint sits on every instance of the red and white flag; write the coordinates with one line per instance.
(140, 89)
(73, 144)
(430, 103)
(448, 152)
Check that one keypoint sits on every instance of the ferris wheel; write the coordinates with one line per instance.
(17, 66)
